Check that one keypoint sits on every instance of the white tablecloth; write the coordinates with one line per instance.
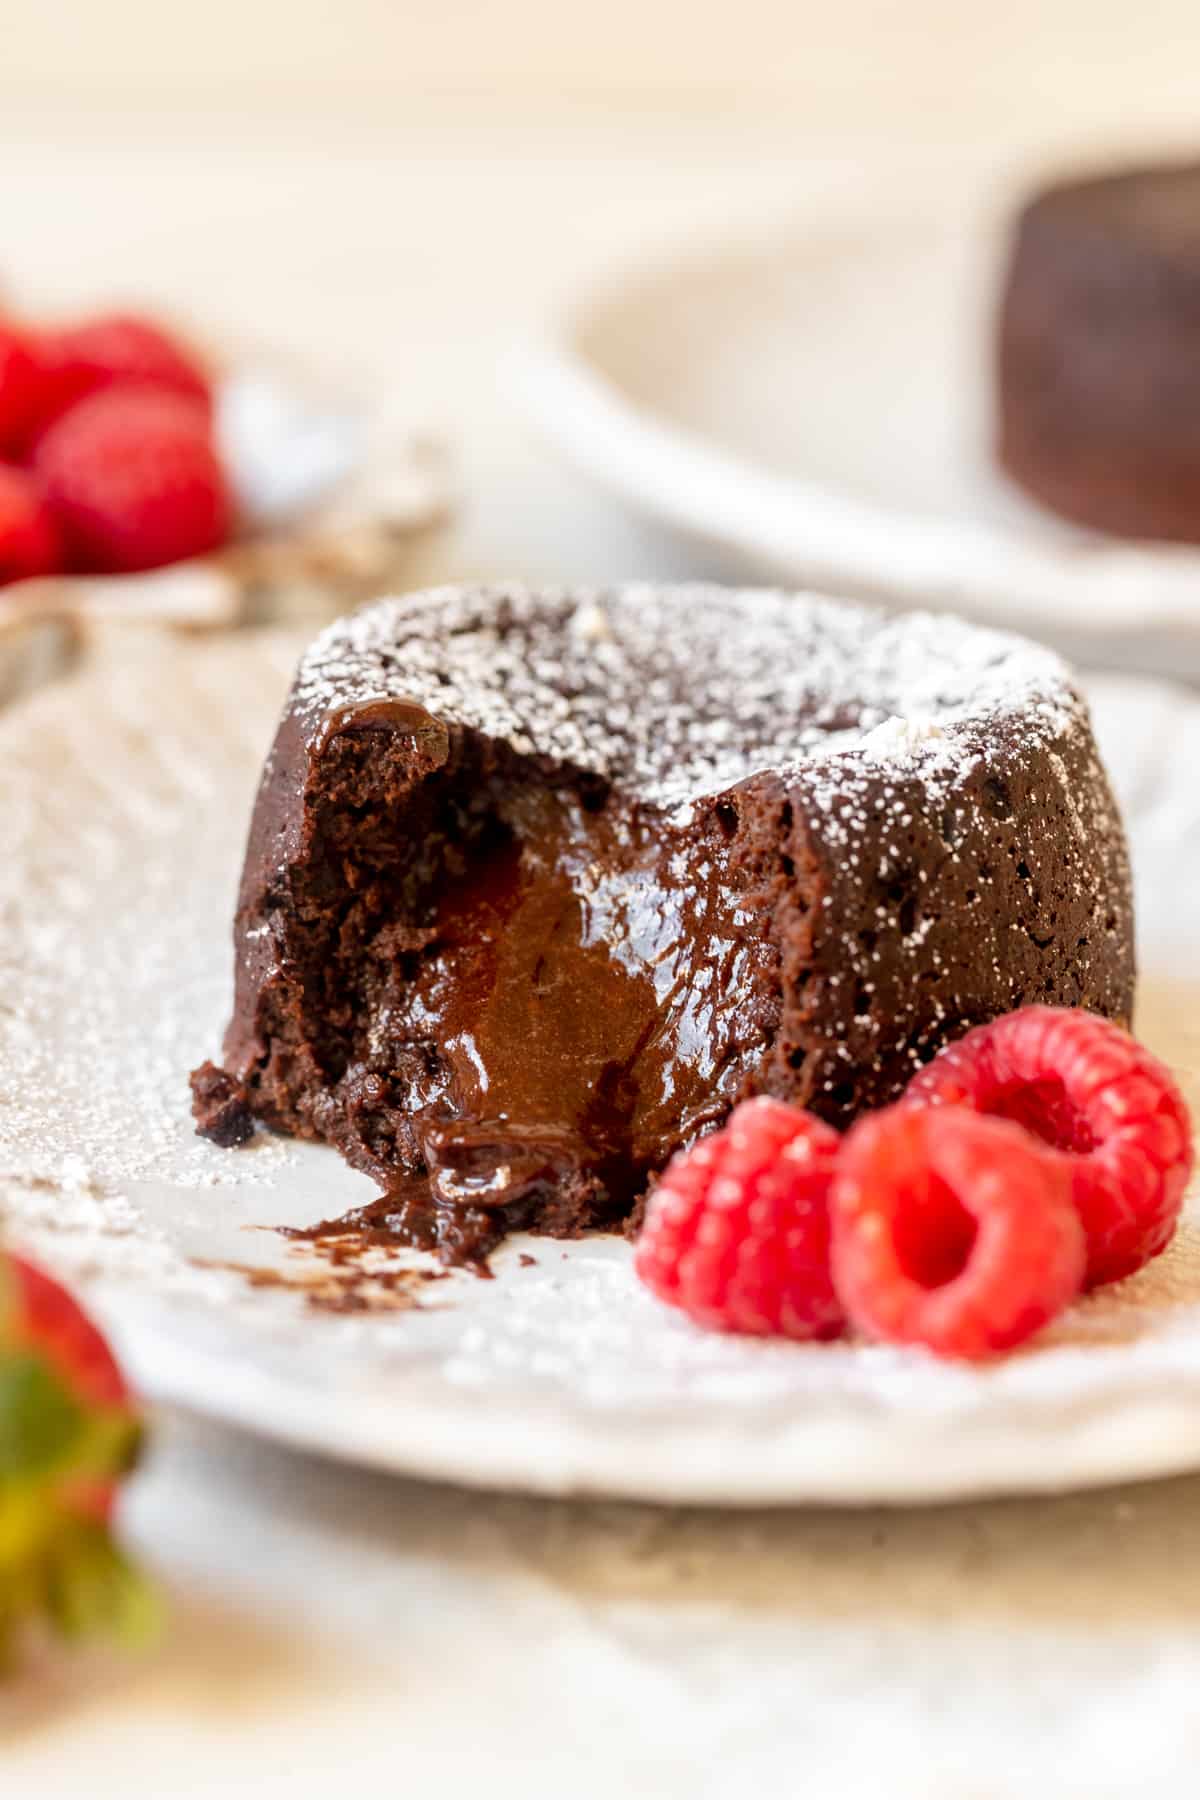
(332, 1628)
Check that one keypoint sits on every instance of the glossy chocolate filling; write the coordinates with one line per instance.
(570, 988)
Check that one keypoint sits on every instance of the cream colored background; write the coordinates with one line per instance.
(929, 63)
(410, 187)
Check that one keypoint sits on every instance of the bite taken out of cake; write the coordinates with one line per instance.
(539, 884)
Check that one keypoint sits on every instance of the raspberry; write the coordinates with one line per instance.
(114, 349)
(1088, 1089)
(737, 1230)
(952, 1231)
(134, 480)
(20, 386)
(29, 540)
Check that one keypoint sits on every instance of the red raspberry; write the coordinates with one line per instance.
(29, 540)
(20, 386)
(1087, 1088)
(114, 349)
(737, 1230)
(952, 1231)
(134, 480)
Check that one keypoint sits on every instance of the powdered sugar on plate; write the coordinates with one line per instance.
(115, 888)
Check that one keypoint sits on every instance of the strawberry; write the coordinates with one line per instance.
(29, 538)
(111, 350)
(69, 1431)
(20, 386)
(134, 480)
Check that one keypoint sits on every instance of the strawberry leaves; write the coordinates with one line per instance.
(69, 1432)
(68, 1571)
(92, 1589)
(41, 1424)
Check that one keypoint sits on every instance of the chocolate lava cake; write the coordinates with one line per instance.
(1099, 353)
(539, 883)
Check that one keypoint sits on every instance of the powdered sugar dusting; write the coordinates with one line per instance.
(684, 692)
(900, 740)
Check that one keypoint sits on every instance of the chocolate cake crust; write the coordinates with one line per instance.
(539, 883)
(1098, 374)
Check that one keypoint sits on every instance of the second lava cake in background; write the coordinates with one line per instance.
(1098, 370)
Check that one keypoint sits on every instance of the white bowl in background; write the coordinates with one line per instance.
(815, 408)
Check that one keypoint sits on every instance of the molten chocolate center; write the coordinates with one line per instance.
(588, 997)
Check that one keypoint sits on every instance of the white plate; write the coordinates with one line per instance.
(818, 410)
(124, 792)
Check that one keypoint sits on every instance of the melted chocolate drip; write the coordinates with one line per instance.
(585, 999)
(407, 1214)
